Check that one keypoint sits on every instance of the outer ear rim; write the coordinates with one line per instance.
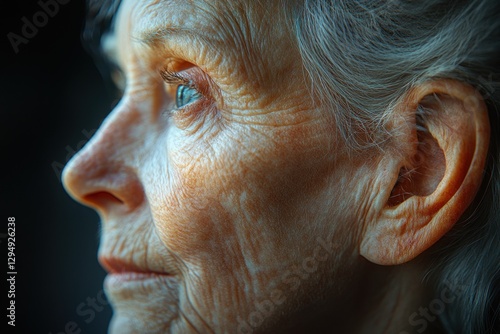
(444, 207)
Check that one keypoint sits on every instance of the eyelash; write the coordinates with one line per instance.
(201, 83)
(174, 79)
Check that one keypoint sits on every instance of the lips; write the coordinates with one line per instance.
(128, 278)
(115, 265)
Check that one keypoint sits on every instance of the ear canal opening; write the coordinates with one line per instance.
(425, 169)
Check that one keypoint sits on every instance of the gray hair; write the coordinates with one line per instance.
(361, 56)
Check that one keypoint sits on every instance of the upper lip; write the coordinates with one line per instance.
(114, 265)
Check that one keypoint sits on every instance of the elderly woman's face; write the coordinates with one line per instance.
(217, 173)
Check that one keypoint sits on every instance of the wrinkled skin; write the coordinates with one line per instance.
(230, 194)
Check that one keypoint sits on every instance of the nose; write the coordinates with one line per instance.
(103, 175)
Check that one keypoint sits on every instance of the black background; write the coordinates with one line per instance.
(51, 95)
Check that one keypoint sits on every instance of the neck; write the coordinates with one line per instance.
(385, 300)
(397, 301)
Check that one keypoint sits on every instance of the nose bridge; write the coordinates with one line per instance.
(104, 171)
(119, 130)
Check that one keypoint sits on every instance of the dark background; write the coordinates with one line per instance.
(51, 95)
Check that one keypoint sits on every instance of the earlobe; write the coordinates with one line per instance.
(438, 174)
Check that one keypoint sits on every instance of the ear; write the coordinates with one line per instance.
(432, 173)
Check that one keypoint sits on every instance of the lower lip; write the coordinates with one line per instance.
(134, 280)
(131, 276)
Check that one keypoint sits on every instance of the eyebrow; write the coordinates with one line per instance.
(153, 38)
(109, 49)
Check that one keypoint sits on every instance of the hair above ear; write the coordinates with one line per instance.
(438, 171)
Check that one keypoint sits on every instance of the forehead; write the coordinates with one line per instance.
(206, 14)
(223, 20)
(251, 26)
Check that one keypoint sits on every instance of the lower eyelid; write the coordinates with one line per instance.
(193, 116)
(188, 108)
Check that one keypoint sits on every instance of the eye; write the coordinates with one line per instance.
(185, 95)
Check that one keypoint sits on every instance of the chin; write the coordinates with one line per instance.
(142, 303)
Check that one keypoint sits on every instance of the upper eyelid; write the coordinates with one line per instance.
(198, 80)
(174, 78)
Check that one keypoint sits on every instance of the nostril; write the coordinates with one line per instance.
(102, 183)
(102, 199)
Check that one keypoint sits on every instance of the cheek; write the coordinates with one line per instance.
(184, 198)
(235, 193)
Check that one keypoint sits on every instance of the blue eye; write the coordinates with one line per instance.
(185, 95)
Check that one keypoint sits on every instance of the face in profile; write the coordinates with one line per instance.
(215, 153)
(229, 202)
